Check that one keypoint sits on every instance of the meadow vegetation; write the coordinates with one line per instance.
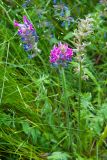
(49, 110)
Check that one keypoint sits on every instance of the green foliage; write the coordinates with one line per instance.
(38, 105)
(58, 156)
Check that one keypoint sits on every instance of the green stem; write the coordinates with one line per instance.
(97, 152)
(79, 101)
(66, 107)
(65, 95)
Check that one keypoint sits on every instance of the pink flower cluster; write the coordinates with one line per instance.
(61, 55)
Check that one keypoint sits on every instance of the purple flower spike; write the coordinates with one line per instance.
(27, 2)
(61, 55)
(16, 24)
(54, 1)
(28, 35)
(27, 27)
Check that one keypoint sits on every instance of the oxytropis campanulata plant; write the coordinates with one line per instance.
(28, 36)
(60, 57)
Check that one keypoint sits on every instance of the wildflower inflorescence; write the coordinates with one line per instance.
(103, 2)
(62, 12)
(85, 28)
(28, 35)
(61, 55)
(27, 2)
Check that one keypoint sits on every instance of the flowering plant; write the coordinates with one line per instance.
(28, 36)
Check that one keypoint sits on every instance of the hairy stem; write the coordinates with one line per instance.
(67, 110)
(79, 102)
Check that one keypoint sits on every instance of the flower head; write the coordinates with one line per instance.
(28, 34)
(61, 55)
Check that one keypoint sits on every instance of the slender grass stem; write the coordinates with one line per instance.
(65, 95)
(2, 90)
